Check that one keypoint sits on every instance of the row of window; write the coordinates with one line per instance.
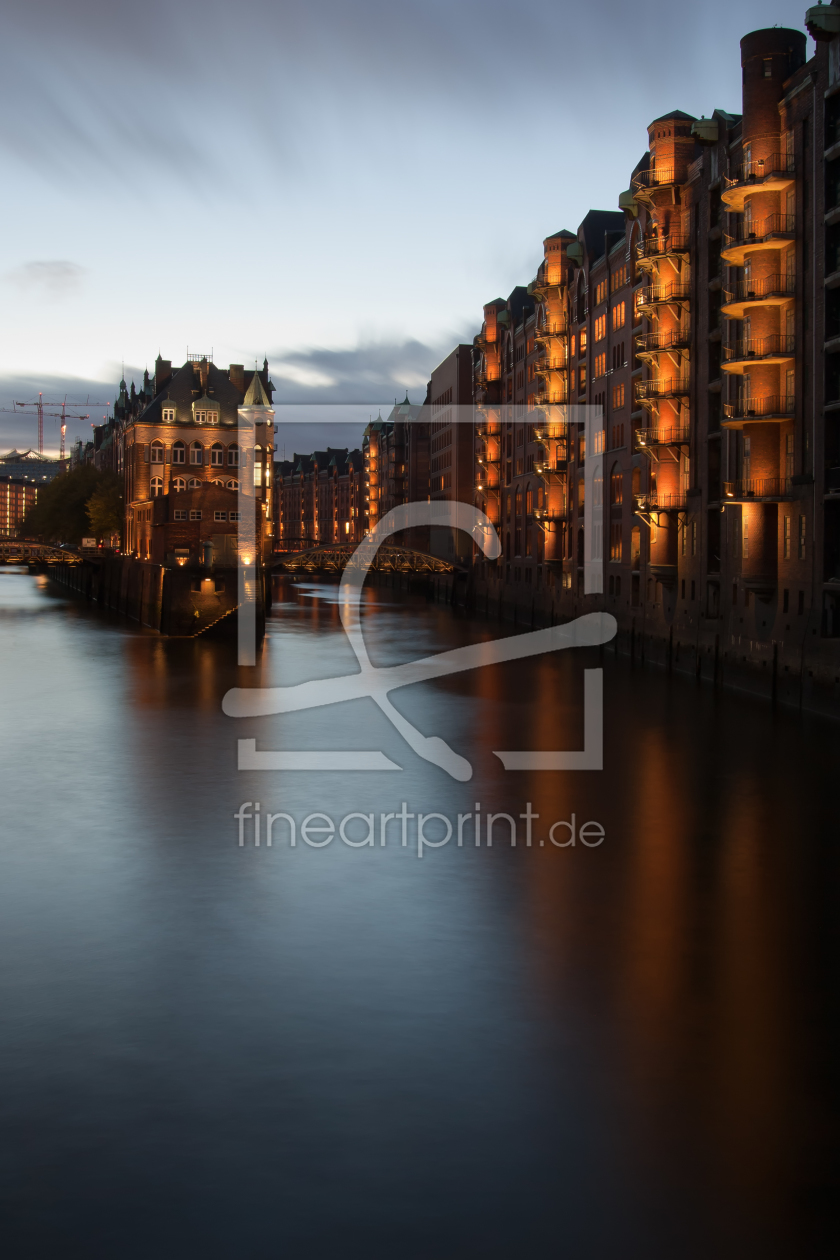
(195, 514)
(181, 483)
(179, 454)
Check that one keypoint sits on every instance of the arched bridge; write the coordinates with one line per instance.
(14, 552)
(334, 559)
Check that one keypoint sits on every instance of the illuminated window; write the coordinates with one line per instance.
(582, 342)
(157, 453)
(618, 279)
(616, 485)
(179, 484)
(168, 415)
(618, 315)
(745, 539)
(196, 453)
(601, 291)
(615, 543)
(582, 378)
(233, 456)
(179, 453)
(600, 327)
(157, 486)
(217, 454)
(600, 365)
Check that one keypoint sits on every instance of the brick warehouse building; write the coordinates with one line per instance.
(701, 318)
(319, 499)
(181, 447)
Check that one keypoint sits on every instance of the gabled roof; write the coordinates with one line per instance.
(676, 115)
(255, 395)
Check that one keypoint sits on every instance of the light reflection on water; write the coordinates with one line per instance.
(490, 1052)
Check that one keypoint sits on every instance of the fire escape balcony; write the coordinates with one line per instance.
(740, 354)
(550, 519)
(554, 397)
(762, 489)
(769, 291)
(653, 502)
(653, 295)
(541, 285)
(774, 232)
(770, 174)
(645, 184)
(551, 365)
(554, 328)
(670, 387)
(651, 441)
(649, 345)
(773, 408)
(652, 251)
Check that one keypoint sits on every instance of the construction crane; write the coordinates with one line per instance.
(59, 415)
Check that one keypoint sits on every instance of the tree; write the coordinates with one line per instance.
(105, 508)
(61, 514)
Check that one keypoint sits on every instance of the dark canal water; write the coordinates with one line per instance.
(213, 1051)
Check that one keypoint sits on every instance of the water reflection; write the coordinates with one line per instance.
(490, 1052)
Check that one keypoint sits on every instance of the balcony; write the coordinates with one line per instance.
(645, 184)
(672, 387)
(776, 229)
(551, 365)
(769, 291)
(775, 407)
(550, 398)
(550, 518)
(541, 284)
(654, 502)
(656, 247)
(653, 343)
(653, 295)
(555, 328)
(647, 439)
(740, 354)
(771, 174)
(766, 489)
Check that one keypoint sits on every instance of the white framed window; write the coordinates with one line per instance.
(179, 484)
(168, 415)
(157, 453)
(235, 516)
(206, 415)
(179, 453)
(195, 514)
(217, 455)
(180, 514)
(194, 483)
(233, 456)
(157, 486)
(217, 481)
(257, 474)
(233, 485)
(220, 516)
(196, 453)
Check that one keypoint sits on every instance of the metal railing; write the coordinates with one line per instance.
(551, 365)
(541, 282)
(655, 293)
(555, 328)
(777, 285)
(760, 347)
(773, 225)
(660, 246)
(661, 437)
(673, 339)
(654, 177)
(659, 502)
(663, 388)
(758, 488)
(755, 408)
(759, 169)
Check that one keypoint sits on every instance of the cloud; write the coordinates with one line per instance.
(56, 276)
(371, 372)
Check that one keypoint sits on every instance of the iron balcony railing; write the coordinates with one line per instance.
(542, 398)
(761, 347)
(661, 246)
(652, 294)
(758, 488)
(669, 388)
(661, 437)
(551, 514)
(752, 233)
(673, 339)
(654, 502)
(551, 365)
(759, 169)
(655, 177)
(554, 328)
(777, 285)
(755, 408)
(540, 283)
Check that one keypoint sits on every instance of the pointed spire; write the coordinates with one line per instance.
(256, 395)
